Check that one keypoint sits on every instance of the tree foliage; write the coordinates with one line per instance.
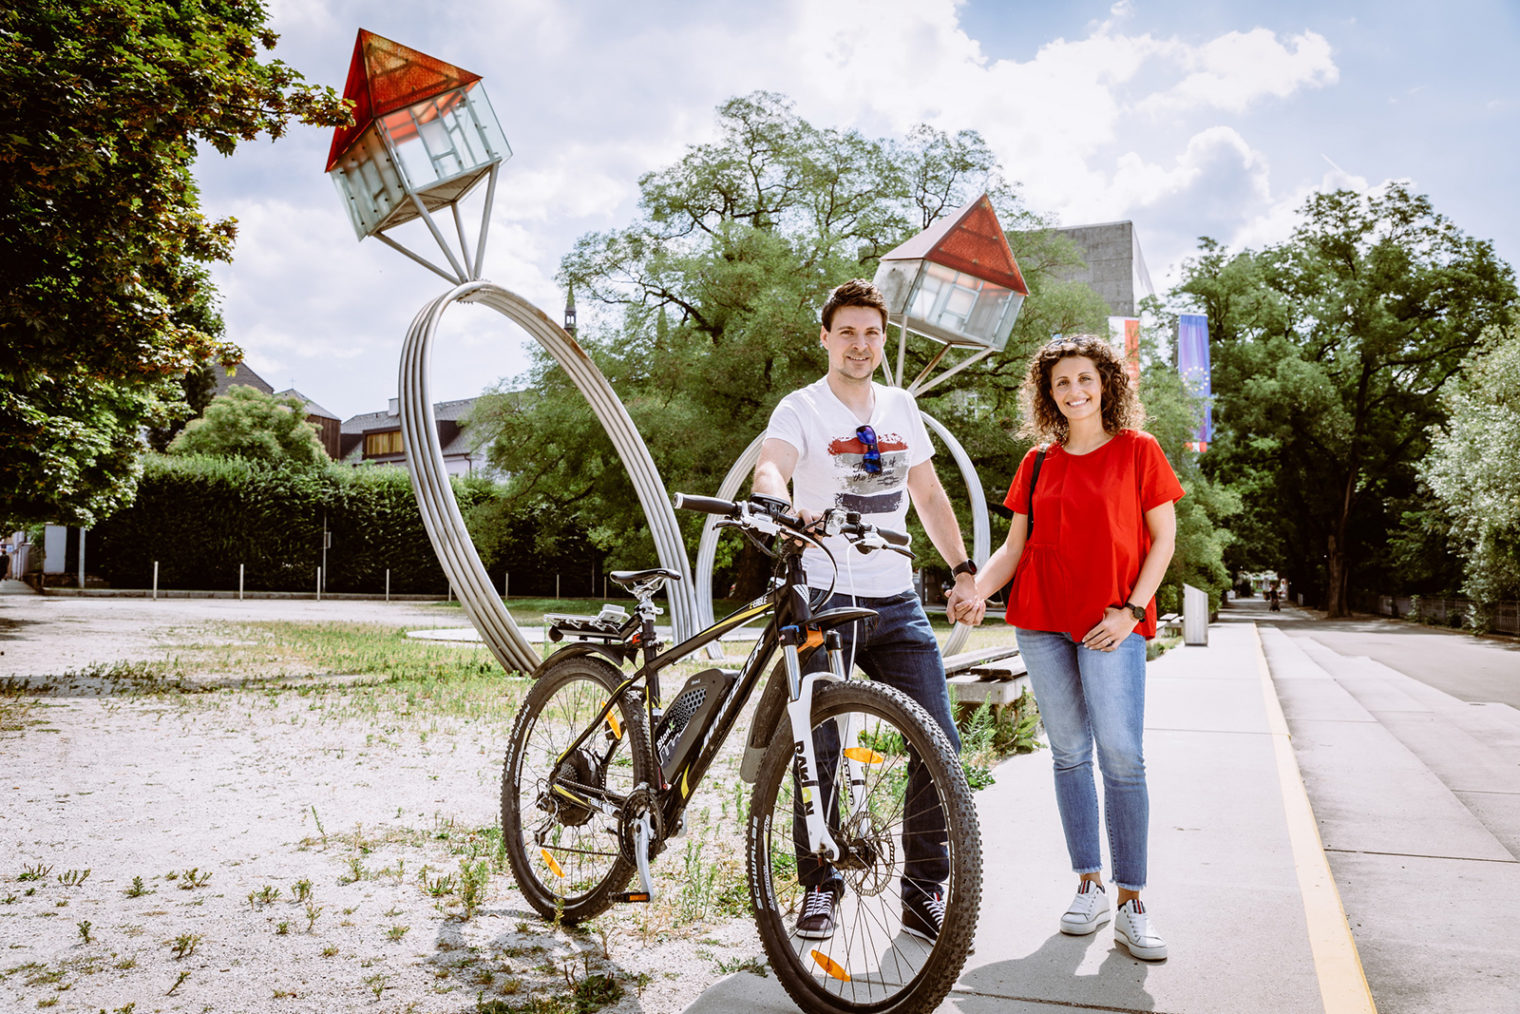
(107, 304)
(1474, 469)
(708, 308)
(249, 424)
(1328, 352)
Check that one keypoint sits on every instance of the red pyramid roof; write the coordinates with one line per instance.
(970, 240)
(385, 76)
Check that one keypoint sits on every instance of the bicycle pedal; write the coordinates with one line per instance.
(642, 897)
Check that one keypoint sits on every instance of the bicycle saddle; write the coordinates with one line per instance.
(627, 576)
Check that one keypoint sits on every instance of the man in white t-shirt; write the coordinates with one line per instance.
(846, 441)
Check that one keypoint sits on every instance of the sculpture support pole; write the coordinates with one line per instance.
(435, 497)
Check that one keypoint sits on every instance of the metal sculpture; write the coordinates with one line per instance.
(424, 138)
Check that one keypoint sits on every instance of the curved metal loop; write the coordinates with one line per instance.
(732, 482)
(435, 497)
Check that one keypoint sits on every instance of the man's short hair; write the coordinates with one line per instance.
(855, 292)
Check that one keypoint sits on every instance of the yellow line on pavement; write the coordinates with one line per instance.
(1342, 983)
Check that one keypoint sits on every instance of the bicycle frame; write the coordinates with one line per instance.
(798, 633)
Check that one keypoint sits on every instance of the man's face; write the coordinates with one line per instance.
(854, 343)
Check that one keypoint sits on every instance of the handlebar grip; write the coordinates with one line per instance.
(895, 538)
(705, 504)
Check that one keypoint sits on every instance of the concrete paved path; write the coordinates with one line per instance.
(1238, 884)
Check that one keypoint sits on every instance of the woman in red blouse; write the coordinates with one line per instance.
(1084, 581)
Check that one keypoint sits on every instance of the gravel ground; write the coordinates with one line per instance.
(256, 849)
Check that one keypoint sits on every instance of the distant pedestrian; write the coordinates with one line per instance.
(1274, 600)
(1082, 599)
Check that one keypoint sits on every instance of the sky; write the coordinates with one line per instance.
(1202, 118)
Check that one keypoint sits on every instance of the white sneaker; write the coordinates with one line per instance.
(1133, 929)
(1088, 910)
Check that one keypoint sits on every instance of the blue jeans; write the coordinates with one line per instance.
(897, 648)
(1086, 696)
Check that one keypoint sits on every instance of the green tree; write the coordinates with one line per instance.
(249, 424)
(107, 304)
(709, 307)
(1474, 470)
(1328, 352)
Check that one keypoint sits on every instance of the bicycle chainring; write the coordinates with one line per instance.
(640, 802)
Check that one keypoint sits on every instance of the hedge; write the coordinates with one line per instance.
(199, 518)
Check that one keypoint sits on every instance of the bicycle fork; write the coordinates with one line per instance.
(799, 710)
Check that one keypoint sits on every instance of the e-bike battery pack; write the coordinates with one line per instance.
(678, 735)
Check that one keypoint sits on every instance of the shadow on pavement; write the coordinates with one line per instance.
(1048, 978)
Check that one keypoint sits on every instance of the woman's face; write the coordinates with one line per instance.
(1077, 388)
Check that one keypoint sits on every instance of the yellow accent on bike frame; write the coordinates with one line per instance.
(553, 864)
(831, 966)
(863, 755)
(612, 720)
(685, 789)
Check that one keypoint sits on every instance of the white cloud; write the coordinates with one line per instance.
(1238, 69)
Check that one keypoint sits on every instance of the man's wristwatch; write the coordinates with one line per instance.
(1138, 612)
(964, 567)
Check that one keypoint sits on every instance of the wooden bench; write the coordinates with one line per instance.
(993, 675)
(1170, 624)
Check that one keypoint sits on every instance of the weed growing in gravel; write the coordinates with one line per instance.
(184, 945)
(193, 878)
(138, 888)
(395, 933)
(330, 951)
(34, 872)
(73, 878)
(177, 983)
(302, 890)
(84, 929)
(377, 983)
(312, 912)
(472, 885)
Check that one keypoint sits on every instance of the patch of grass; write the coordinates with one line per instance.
(755, 966)
(395, 933)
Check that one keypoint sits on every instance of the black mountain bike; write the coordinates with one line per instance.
(600, 769)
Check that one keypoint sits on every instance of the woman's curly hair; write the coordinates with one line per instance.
(1042, 417)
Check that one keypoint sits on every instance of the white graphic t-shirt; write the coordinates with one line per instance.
(831, 472)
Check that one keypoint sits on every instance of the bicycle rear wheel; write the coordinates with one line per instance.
(871, 963)
(566, 857)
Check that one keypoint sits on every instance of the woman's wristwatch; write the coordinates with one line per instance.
(1138, 612)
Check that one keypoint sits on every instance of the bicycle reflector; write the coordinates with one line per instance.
(831, 966)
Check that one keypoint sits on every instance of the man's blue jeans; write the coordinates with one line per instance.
(1088, 696)
(897, 648)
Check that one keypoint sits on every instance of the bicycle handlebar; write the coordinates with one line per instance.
(834, 520)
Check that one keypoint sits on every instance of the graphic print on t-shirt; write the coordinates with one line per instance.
(870, 494)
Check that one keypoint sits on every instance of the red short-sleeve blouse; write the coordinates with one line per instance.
(1090, 537)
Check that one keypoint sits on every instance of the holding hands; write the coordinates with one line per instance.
(965, 605)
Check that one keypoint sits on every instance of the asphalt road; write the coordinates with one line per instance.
(1470, 668)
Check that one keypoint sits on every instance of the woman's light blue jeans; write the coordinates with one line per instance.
(1088, 696)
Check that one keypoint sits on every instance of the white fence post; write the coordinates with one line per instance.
(319, 584)
(240, 582)
(155, 580)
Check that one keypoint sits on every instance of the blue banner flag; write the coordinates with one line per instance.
(1193, 364)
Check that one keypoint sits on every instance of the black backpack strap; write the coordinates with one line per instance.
(1039, 459)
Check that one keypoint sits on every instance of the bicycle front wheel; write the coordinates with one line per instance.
(897, 805)
(567, 857)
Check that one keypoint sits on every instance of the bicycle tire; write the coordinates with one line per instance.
(870, 964)
(567, 860)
